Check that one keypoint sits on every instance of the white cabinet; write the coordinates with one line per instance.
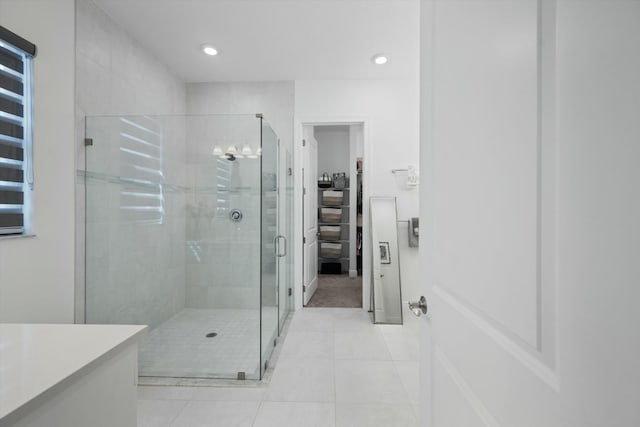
(68, 375)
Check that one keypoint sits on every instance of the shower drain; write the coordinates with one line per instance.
(211, 334)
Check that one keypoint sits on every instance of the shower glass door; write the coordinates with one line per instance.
(179, 231)
(223, 209)
(285, 226)
(272, 243)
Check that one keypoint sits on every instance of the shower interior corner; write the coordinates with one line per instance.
(186, 219)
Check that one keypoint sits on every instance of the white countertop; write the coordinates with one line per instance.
(34, 358)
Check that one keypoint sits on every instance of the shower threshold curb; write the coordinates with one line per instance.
(199, 382)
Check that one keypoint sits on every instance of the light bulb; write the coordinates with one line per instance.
(379, 59)
(209, 50)
(246, 151)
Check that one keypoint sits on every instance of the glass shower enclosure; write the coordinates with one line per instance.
(186, 226)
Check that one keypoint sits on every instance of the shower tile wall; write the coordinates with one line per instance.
(135, 266)
(116, 75)
(275, 100)
(223, 257)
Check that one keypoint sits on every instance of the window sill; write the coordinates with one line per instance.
(16, 236)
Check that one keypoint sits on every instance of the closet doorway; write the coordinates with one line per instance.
(332, 218)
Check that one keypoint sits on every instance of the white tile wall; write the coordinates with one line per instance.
(135, 273)
(275, 100)
(237, 267)
(223, 257)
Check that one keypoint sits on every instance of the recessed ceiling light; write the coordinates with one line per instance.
(209, 50)
(379, 59)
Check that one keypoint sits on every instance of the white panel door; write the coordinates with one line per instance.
(531, 213)
(310, 200)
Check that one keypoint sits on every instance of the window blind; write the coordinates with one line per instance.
(141, 175)
(15, 129)
(223, 188)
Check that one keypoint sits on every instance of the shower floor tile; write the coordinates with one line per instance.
(179, 347)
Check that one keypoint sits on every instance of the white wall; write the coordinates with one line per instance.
(356, 143)
(390, 111)
(36, 274)
(135, 271)
(333, 149)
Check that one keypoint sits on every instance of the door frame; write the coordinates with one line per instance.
(298, 248)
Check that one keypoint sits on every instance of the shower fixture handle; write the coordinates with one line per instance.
(276, 245)
(235, 215)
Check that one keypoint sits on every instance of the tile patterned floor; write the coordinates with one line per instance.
(179, 347)
(334, 369)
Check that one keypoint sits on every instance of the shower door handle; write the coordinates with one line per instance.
(284, 239)
(276, 245)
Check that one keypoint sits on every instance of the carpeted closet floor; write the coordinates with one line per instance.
(337, 290)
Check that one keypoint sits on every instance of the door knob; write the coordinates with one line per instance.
(419, 306)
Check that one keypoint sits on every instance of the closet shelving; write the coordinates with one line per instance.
(344, 228)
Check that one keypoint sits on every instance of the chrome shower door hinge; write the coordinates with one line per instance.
(88, 142)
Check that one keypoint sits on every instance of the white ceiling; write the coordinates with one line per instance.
(276, 39)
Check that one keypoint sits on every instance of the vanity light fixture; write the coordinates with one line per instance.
(247, 151)
(209, 50)
(232, 150)
(252, 154)
(379, 59)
